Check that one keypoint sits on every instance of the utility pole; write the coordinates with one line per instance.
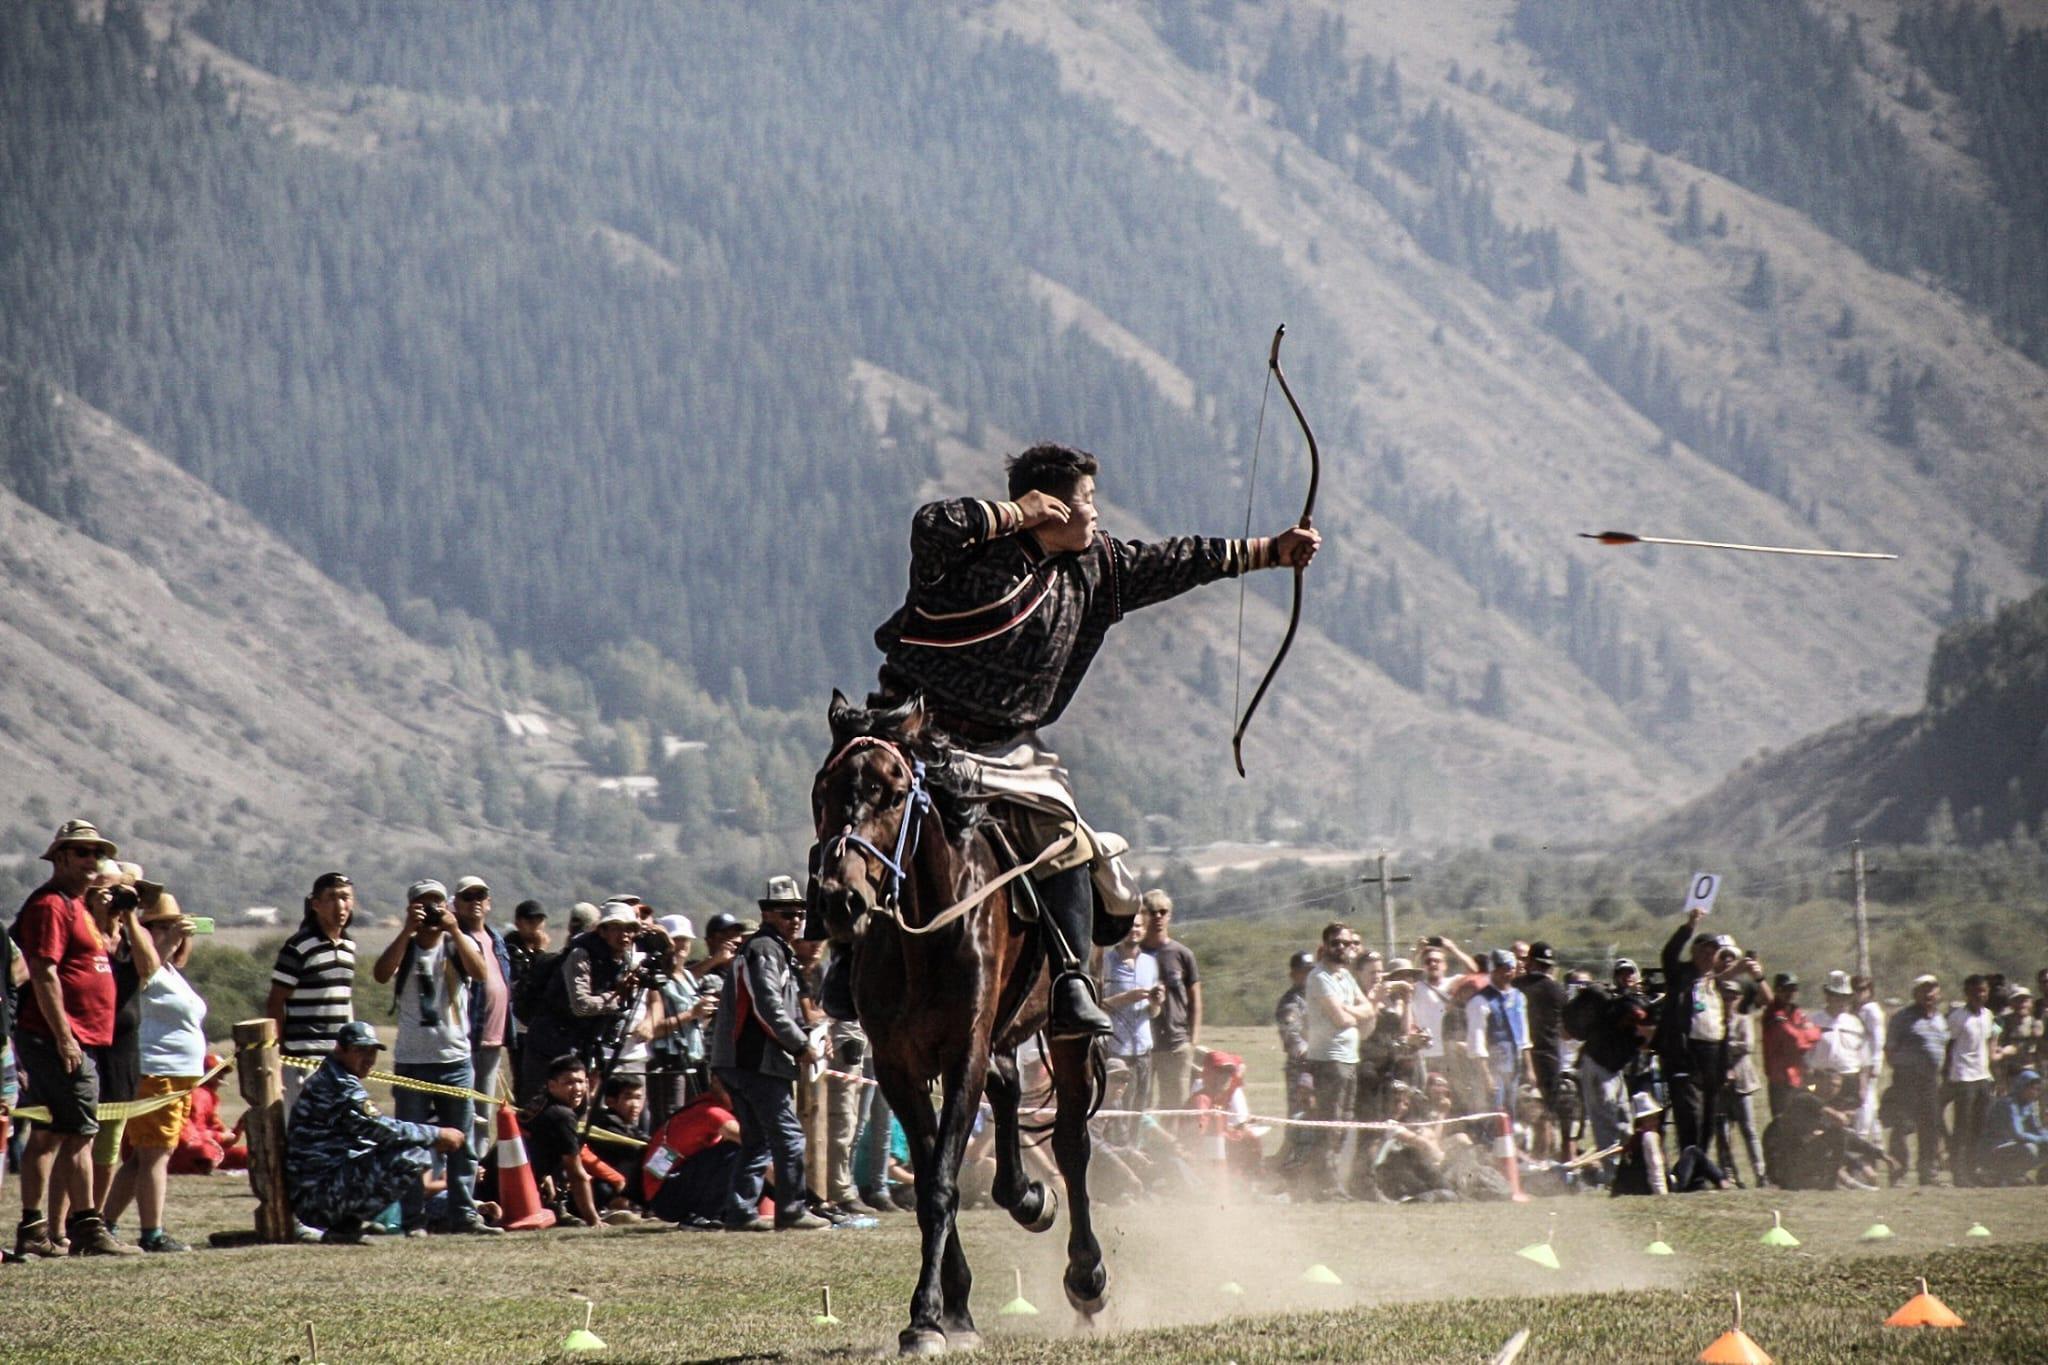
(1385, 884)
(1856, 871)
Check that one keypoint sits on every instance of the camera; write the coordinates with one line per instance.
(123, 899)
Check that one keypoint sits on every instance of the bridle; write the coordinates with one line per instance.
(909, 828)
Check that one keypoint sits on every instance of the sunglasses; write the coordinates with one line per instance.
(474, 896)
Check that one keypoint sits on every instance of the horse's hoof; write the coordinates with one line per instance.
(962, 1339)
(1048, 1210)
(1090, 1298)
(920, 1341)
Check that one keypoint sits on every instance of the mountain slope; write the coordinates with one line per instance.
(1971, 766)
(564, 344)
(189, 681)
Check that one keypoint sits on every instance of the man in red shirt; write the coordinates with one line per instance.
(1788, 1034)
(66, 1024)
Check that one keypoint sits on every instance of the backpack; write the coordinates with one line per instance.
(530, 1000)
(1585, 1011)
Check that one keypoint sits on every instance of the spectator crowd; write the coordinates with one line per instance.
(719, 1081)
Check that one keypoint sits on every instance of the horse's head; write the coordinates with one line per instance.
(869, 802)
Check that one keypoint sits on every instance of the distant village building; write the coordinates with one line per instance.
(524, 728)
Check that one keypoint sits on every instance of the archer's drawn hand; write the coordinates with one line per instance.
(1043, 509)
(1296, 546)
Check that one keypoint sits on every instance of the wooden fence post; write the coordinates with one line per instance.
(262, 1084)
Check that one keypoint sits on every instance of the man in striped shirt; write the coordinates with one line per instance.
(312, 987)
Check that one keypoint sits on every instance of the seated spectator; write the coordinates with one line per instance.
(345, 1162)
(553, 1143)
(2019, 1034)
(205, 1144)
(1408, 1162)
(624, 1112)
(690, 1163)
(1812, 1145)
(1641, 1167)
(2015, 1142)
(1221, 1089)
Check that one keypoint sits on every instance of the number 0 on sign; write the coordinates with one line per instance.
(1701, 892)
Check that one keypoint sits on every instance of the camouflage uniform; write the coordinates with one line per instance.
(346, 1161)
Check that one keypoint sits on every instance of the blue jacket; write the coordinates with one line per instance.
(2011, 1121)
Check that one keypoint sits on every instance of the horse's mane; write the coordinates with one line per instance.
(960, 810)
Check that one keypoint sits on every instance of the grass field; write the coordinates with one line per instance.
(1420, 1284)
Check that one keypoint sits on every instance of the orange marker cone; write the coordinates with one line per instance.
(517, 1194)
(1924, 1310)
(1733, 1347)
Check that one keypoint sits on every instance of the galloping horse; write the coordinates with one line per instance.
(946, 994)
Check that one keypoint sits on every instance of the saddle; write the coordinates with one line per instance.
(1105, 929)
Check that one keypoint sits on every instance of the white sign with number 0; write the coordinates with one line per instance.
(1701, 892)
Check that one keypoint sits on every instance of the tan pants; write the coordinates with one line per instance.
(849, 1047)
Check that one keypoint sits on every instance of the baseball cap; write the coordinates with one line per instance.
(1540, 951)
(530, 910)
(2026, 1076)
(1625, 964)
(582, 916)
(723, 923)
(356, 1033)
(1784, 979)
(1838, 984)
(677, 926)
(1500, 958)
(328, 881)
(1300, 961)
(472, 884)
(423, 888)
(1926, 979)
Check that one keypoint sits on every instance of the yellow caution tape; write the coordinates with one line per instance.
(398, 1082)
(123, 1109)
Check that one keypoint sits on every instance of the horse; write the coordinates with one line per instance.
(946, 993)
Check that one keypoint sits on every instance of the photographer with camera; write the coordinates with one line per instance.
(435, 965)
(584, 997)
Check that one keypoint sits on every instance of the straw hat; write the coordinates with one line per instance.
(79, 832)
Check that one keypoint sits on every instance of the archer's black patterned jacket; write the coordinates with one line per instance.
(997, 633)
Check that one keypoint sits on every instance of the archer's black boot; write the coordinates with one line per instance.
(1067, 903)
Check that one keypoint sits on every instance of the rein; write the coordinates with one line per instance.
(916, 803)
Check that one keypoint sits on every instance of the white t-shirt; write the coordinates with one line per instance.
(1872, 1016)
(1327, 1042)
(1842, 1048)
(439, 1031)
(1709, 1016)
(1430, 1005)
(1969, 1054)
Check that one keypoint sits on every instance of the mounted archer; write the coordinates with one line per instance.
(1009, 603)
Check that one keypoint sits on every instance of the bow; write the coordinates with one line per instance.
(1308, 511)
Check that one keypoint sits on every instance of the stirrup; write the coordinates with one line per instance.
(1082, 1015)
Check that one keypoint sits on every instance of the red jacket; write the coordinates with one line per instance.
(1787, 1035)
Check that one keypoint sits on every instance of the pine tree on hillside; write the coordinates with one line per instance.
(1900, 421)
(1761, 293)
(1576, 180)
(2037, 559)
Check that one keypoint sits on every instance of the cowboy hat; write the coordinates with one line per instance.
(79, 832)
(782, 891)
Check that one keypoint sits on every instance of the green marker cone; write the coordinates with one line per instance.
(1019, 1307)
(1658, 1246)
(825, 1318)
(1978, 1230)
(1777, 1236)
(583, 1340)
(1876, 1232)
(1320, 1274)
(1541, 1252)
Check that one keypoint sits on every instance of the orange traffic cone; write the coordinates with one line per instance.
(1924, 1310)
(517, 1194)
(1733, 1347)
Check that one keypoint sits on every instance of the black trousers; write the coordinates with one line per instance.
(1693, 1079)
